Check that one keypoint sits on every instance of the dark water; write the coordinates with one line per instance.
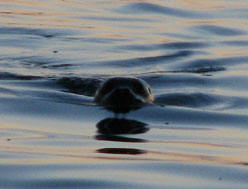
(55, 53)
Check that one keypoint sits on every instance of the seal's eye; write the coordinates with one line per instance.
(139, 89)
(106, 88)
(149, 90)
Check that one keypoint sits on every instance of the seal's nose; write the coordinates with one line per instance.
(122, 97)
(122, 92)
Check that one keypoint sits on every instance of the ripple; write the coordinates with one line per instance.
(150, 61)
(220, 30)
(84, 86)
(32, 61)
(187, 100)
(115, 19)
(236, 43)
(172, 45)
(62, 183)
(46, 33)
(54, 56)
(13, 76)
(145, 8)
(217, 64)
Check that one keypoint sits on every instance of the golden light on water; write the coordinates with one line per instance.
(47, 148)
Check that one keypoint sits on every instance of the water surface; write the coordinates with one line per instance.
(54, 55)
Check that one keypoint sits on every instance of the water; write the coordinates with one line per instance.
(55, 53)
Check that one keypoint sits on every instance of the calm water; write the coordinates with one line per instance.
(55, 53)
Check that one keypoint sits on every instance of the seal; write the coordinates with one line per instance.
(122, 94)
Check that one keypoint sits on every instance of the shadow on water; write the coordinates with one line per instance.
(110, 129)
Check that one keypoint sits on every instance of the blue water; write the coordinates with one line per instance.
(54, 54)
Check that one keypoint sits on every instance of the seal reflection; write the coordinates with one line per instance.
(111, 129)
(127, 151)
(117, 126)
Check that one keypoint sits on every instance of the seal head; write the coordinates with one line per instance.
(122, 94)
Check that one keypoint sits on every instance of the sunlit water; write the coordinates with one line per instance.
(54, 54)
